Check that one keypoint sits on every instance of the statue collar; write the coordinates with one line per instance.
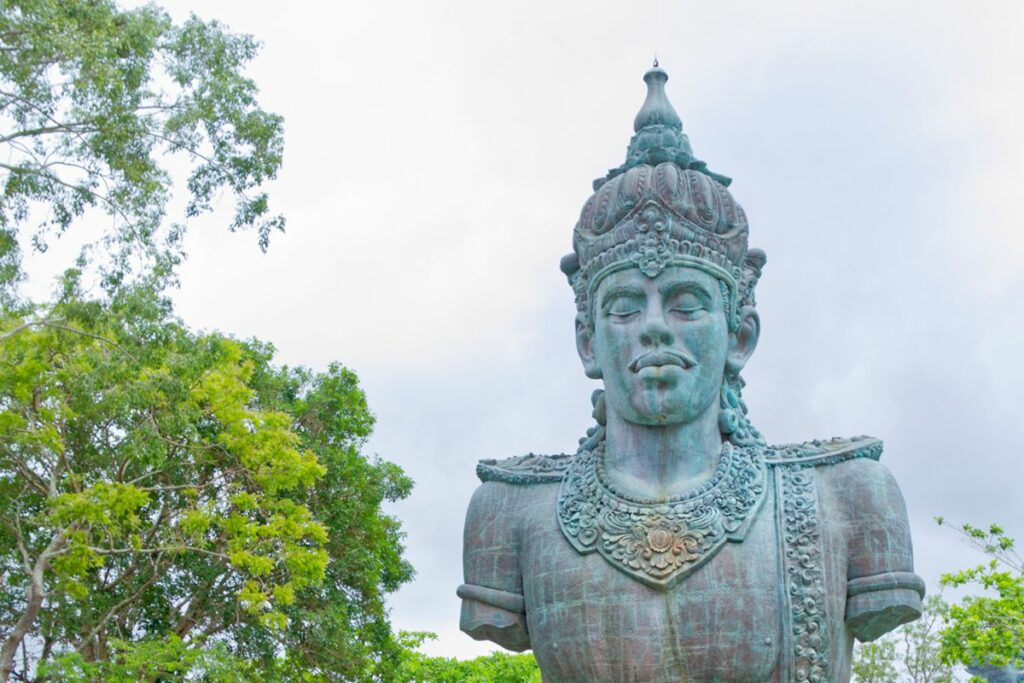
(660, 542)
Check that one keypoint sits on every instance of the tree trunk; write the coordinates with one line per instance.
(33, 603)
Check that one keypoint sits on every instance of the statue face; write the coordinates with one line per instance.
(661, 344)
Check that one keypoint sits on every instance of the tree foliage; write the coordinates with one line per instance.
(921, 645)
(171, 504)
(987, 629)
(497, 667)
(96, 101)
(875, 662)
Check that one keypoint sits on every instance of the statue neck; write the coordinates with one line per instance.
(662, 461)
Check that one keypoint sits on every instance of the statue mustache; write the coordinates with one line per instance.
(662, 357)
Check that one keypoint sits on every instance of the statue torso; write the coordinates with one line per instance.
(589, 621)
(769, 605)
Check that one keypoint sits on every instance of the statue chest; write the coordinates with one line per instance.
(589, 621)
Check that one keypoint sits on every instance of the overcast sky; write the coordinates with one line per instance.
(437, 157)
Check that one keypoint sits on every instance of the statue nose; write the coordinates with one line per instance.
(655, 332)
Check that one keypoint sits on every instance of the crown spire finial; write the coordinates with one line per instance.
(656, 110)
(658, 134)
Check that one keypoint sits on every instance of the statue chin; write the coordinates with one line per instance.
(657, 415)
(660, 406)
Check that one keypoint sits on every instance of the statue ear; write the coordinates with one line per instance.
(743, 341)
(590, 366)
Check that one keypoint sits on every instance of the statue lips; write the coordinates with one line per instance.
(661, 357)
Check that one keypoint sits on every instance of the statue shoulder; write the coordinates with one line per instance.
(508, 491)
(525, 469)
(820, 452)
(849, 475)
(858, 499)
(849, 471)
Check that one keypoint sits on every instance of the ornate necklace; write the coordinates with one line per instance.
(659, 542)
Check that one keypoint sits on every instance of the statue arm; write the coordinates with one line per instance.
(883, 591)
(493, 607)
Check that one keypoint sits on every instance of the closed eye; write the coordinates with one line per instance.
(622, 303)
(622, 307)
(687, 304)
(623, 314)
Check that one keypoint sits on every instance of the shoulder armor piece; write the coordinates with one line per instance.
(525, 469)
(824, 452)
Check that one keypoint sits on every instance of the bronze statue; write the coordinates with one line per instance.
(676, 544)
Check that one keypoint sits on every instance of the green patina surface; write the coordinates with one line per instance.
(676, 544)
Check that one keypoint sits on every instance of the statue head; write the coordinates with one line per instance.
(664, 280)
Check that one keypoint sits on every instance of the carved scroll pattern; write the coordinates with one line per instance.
(803, 574)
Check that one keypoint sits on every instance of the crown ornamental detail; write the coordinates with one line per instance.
(662, 207)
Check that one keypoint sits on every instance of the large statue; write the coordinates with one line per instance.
(997, 674)
(675, 544)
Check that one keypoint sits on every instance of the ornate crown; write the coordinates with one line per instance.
(662, 207)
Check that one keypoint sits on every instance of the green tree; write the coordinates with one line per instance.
(921, 645)
(876, 662)
(989, 628)
(173, 505)
(339, 629)
(96, 101)
(497, 667)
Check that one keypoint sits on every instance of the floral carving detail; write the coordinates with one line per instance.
(824, 451)
(653, 249)
(525, 469)
(651, 217)
(660, 542)
(657, 547)
(652, 256)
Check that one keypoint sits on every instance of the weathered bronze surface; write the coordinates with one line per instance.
(676, 544)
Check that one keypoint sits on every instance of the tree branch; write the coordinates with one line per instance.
(116, 609)
(107, 201)
(34, 595)
(45, 130)
(24, 326)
